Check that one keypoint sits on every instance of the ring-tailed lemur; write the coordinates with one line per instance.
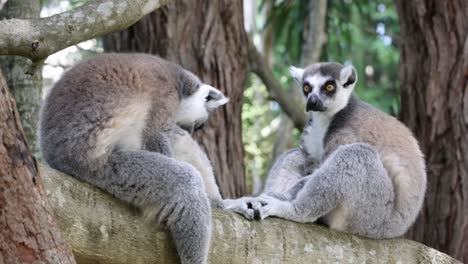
(358, 170)
(113, 121)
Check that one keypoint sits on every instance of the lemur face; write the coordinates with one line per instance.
(326, 86)
(194, 110)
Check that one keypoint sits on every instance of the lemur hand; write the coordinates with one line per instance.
(265, 206)
(241, 206)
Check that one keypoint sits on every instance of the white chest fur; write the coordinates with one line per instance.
(313, 135)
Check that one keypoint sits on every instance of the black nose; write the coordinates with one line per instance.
(314, 104)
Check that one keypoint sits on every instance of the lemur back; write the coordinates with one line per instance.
(104, 103)
(395, 144)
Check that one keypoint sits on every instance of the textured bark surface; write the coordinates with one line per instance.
(434, 93)
(208, 38)
(25, 88)
(28, 231)
(101, 229)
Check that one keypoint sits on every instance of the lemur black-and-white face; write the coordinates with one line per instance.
(327, 86)
(194, 109)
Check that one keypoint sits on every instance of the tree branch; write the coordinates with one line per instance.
(100, 229)
(38, 38)
(260, 67)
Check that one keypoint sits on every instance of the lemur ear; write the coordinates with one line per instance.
(215, 98)
(296, 73)
(348, 76)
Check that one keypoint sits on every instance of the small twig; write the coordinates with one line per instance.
(35, 65)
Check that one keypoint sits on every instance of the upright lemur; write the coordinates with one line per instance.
(115, 121)
(357, 170)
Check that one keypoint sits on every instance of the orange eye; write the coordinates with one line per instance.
(329, 88)
(306, 88)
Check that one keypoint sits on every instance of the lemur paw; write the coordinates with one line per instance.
(270, 206)
(256, 204)
(240, 206)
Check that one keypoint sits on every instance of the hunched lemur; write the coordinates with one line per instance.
(120, 122)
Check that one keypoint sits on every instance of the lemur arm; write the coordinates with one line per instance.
(288, 169)
(310, 165)
(284, 180)
(158, 141)
(185, 148)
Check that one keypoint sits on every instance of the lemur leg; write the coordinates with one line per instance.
(340, 181)
(168, 190)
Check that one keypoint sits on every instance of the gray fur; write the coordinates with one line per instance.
(331, 69)
(365, 174)
(108, 122)
(185, 148)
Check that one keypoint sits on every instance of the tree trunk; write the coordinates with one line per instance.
(25, 88)
(208, 38)
(28, 231)
(434, 96)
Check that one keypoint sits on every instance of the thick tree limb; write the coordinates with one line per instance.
(38, 38)
(101, 229)
(260, 67)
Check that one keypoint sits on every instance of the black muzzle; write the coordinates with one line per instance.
(315, 104)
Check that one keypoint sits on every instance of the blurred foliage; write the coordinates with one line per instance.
(257, 129)
(364, 33)
(71, 3)
(286, 18)
(76, 3)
